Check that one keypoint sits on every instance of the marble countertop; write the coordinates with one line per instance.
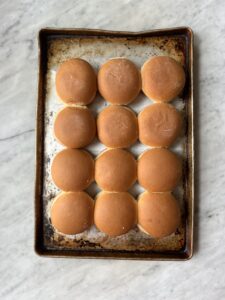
(24, 275)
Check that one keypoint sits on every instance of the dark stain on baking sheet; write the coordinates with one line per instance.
(135, 244)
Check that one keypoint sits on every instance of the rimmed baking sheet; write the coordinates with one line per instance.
(97, 46)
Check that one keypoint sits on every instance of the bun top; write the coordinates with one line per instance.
(76, 82)
(72, 170)
(119, 81)
(115, 170)
(117, 127)
(115, 213)
(74, 127)
(159, 170)
(72, 213)
(159, 125)
(163, 78)
(158, 214)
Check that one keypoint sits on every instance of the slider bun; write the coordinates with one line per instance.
(72, 213)
(117, 127)
(158, 214)
(119, 81)
(159, 170)
(115, 213)
(159, 125)
(76, 82)
(72, 170)
(115, 170)
(163, 78)
(75, 127)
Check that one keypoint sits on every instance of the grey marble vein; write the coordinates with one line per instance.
(23, 275)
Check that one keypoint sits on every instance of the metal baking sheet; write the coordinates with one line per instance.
(97, 46)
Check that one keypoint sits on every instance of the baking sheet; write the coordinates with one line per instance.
(96, 50)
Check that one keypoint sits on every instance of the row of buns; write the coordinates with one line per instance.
(156, 214)
(119, 81)
(157, 125)
(116, 170)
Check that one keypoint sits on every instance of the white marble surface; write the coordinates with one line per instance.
(23, 275)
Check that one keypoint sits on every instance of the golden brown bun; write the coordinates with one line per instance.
(119, 81)
(72, 213)
(115, 170)
(76, 82)
(159, 170)
(159, 125)
(158, 214)
(74, 127)
(72, 170)
(163, 78)
(117, 127)
(115, 213)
